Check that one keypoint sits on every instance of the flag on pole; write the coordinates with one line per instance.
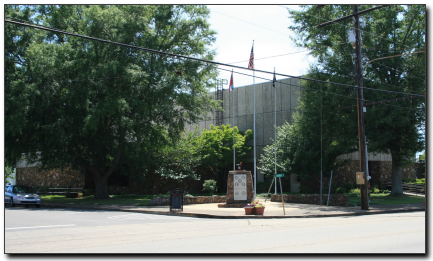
(251, 63)
(231, 83)
(274, 80)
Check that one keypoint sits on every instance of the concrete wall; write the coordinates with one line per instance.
(287, 102)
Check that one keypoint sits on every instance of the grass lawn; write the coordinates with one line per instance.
(387, 199)
(139, 200)
(144, 200)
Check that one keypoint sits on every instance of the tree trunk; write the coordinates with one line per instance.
(101, 188)
(397, 188)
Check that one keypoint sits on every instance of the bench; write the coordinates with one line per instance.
(68, 192)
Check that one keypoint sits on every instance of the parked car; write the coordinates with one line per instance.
(23, 195)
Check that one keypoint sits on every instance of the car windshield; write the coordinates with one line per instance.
(24, 190)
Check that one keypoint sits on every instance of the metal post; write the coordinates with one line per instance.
(254, 131)
(275, 134)
(234, 139)
(329, 192)
(282, 196)
(271, 187)
(360, 98)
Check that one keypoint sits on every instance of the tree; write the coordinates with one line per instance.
(315, 128)
(174, 160)
(389, 34)
(216, 150)
(95, 106)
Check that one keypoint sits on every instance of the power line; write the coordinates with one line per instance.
(361, 31)
(400, 71)
(187, 57)
(249, 22)
(331, 93)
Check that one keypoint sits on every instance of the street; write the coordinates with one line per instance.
(45, 230)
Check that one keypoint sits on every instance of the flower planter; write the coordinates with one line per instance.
(249, 211)
(259, 210)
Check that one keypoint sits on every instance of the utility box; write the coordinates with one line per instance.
(360, 178)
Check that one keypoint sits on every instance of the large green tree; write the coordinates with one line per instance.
(388, 36)
(95, 106)
(216, 150)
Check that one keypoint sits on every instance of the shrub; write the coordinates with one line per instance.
(374, 189)
(420, 181)
(356, 191)
(210, 186)
(304, 189)
(263, 187)
(340, 190)
(348, 186)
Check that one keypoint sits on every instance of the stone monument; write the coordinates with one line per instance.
(239, 189)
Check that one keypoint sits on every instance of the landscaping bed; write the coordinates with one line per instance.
(334, 200)
(163, 201)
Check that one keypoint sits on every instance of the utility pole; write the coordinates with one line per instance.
(360, 98)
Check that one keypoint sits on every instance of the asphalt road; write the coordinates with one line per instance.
(31, 230)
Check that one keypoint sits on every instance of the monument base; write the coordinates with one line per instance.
(239, 187)
(237, 205)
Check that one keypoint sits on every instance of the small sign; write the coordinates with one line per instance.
(279, 175)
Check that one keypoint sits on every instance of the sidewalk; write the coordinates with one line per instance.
(272, 210)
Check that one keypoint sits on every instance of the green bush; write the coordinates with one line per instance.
(210, 186)
(374, 189)
(348, 186)
(89, 192)
(263, 187)
(356, 191)
(340, 190)
(413, 181)
(304, 189)
(420, 181)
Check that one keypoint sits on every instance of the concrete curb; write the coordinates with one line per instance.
(199, 215)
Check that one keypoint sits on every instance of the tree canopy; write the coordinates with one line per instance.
(393, 41)
(92, 105)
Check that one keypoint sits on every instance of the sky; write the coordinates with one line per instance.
(267, 25)
(238, 25)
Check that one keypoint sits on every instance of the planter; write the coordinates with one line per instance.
(259, 211)
(249, 211)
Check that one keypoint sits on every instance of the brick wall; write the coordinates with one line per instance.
(34, 176)
(334, 200)
(380, 172)
(165, 201)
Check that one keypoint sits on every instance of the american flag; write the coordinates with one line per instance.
(231, 83)
(251, 63)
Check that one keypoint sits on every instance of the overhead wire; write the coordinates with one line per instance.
(186, 57)
(346, 27)
(317, 90)
(363, 47)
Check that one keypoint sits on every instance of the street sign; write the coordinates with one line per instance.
(279, 175)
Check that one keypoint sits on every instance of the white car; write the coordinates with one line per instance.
(23, 195)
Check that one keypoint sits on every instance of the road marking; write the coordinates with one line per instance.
(41, 226)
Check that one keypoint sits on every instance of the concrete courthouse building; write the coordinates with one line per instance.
(287, 99)
(288, 92)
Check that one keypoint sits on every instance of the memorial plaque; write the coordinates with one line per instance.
(240, 186)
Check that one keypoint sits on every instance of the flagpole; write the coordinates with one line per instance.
(254, 131)
(275, 136)
(234, 143)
